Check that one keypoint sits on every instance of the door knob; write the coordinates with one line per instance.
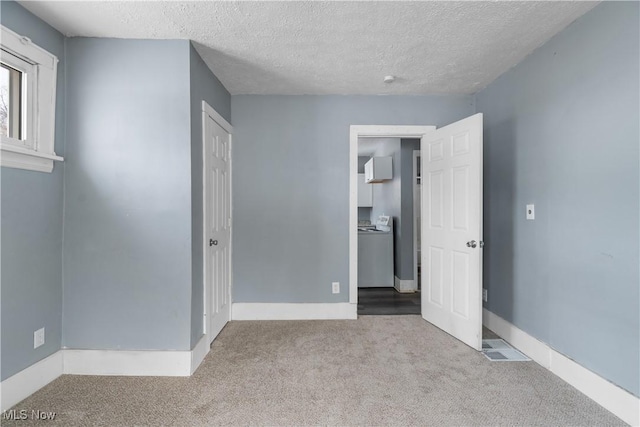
(472, 244)
(213, 242)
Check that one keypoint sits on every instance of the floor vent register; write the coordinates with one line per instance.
(500, 351)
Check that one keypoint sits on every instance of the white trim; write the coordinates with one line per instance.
(231, 227)
(535, 349)
(293, 311)
(24, 158)
(198, 353)
(404, 286)
(208, 110)
(100, 362)
(217, 117)
(41, 102)
(355, 132)
(31, 153)
(127, 362)
(416, 209)
(618, 401)
(162, 363)
(390, 131)
(24, 48)
(11, 159)
(206, 325)
(26, 382)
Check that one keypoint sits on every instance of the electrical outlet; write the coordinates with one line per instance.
(531, 213)
(38, 338)
(485, 295)
(335, 287)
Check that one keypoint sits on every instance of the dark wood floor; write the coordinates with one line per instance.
(387, 301)
(376, 301)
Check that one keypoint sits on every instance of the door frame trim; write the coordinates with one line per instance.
(368, 131)
(208, 110)
(416, 209)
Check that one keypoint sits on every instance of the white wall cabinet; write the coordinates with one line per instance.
(378, 169)
(365, 193)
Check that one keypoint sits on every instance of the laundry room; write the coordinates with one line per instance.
(388, 235)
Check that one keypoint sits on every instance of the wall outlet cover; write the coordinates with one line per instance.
(531, 212)
(485, 295)
(335, 287)
(38, 338)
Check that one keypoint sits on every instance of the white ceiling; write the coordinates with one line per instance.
(327, 47)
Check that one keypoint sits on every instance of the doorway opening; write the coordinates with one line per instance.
(372, 132)
(387, 283)
(450, 266)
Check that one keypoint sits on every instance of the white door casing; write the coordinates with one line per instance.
(355, 132)
(451, 226)
(217, 221)
(417, 210)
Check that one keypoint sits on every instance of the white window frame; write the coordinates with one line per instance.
(28, 71)
(36, 151)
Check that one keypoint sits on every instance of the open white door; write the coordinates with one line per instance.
(452, 229)
(217, 212)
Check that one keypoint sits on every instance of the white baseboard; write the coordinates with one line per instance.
(293, 311)
(100, 362)
(404, 285)
(199, 352)
(26, 382)
(616, 400)
(127, 362)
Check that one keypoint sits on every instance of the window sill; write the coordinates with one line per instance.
(22, 158)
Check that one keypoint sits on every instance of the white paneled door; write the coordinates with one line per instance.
(217, 199)
(452, 229)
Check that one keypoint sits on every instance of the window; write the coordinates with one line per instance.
(13, 95)
(10, 111)
(27, 104)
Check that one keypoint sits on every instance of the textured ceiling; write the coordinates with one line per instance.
(326, 47)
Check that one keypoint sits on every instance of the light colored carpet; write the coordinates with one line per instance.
(377, 370)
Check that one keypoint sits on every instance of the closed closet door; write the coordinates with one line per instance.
(217, 184)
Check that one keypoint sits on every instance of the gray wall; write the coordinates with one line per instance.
(405, 271)
(562, 131)
(204, 86)
(387, 194)
(363, 213)
(395, 198)
(291, 191)
(31, 228)
(127, 238)
(361, 162)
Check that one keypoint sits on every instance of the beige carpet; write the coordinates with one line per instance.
(377, 370)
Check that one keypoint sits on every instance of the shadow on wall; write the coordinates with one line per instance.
(116, 262)
(499, 195)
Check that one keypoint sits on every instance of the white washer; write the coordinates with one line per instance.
(375, 254)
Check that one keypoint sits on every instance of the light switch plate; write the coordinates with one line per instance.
(531, 213)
